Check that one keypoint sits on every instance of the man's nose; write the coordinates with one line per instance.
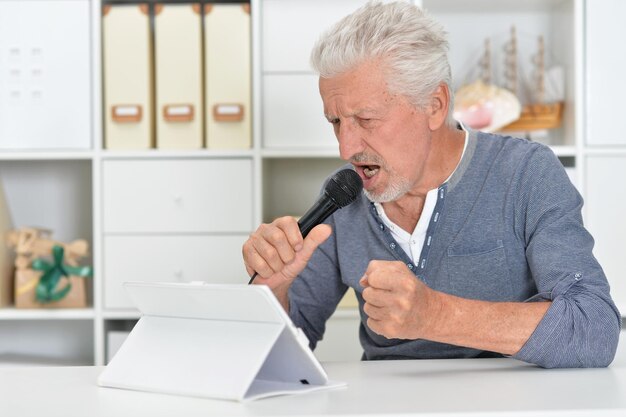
(350, 140)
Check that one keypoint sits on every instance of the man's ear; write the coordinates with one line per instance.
(438, 109)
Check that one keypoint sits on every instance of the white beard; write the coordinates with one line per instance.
(397, 188)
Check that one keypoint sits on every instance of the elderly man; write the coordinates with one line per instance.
(463, 244)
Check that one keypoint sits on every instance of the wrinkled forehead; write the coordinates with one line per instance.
(350, 97)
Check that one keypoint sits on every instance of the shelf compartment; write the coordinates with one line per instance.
(46, 342)
(469, 23)
(292, 185)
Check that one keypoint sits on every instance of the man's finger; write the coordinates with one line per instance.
(268, 255)
(278, 239)
(377, 297)
(374, 312)
(261, 267)
(254, 261)
(290, 228)
(363, 281)
(382, 280)
(385, 275)
(377, 326)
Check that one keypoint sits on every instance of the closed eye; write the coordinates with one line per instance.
(365, 122)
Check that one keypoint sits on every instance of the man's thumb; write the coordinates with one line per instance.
(316, 237)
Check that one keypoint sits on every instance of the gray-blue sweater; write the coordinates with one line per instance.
(507, 227)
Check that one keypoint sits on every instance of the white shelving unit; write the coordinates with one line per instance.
(293, 151)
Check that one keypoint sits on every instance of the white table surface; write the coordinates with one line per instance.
(457, 387)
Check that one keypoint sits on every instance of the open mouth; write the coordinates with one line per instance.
(367, 166)
(370, 170)
(367, 171)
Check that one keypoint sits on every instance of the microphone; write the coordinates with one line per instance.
(341, 189)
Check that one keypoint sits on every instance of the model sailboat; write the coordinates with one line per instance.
(486, 106)
(539, 114)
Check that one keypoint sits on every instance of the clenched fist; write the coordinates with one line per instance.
(399, 305)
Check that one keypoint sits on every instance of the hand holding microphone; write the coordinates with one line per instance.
(279, 251)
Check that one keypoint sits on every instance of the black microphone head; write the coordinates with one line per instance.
(344, 187)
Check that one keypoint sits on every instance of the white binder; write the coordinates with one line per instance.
(127, 73)
(228, 77)
(178, 61)
(232, 342)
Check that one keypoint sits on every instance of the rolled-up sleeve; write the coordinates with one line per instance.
(581, 327)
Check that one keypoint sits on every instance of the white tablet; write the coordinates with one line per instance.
(213, 340)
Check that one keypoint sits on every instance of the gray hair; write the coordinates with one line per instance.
(413, 47)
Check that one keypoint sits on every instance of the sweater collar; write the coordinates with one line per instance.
(458, 173)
